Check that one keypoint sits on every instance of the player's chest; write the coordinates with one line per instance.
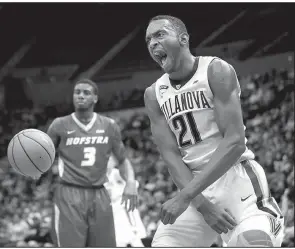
(194, 92)
(75, 137)
(188, 99)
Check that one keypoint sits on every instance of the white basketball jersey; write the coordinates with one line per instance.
(189, 112)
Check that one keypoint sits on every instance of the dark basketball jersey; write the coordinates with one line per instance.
(84, 150)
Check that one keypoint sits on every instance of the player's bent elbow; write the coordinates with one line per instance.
(240, 147)
(237, 143)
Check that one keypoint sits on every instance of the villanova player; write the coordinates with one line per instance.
(196, 121)
(83, 215)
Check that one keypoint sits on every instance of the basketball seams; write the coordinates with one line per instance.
(12, 154)
(21, 153)
(34, 130)
(28, 155)
(51, 159)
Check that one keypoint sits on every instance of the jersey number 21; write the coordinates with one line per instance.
(183, 123)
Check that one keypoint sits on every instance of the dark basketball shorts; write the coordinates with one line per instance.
(83, 217)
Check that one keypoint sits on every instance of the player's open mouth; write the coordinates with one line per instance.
(161, 57)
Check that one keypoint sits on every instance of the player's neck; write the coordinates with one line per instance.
(187, 63)
(84, 116)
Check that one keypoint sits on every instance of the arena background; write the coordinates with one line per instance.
(46, 47)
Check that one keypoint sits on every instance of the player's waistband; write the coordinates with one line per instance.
(80, 186)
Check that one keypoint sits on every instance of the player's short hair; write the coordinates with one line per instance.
(89, 82)
(176, 23)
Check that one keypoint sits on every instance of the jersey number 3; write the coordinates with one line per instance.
(182, 123)
(89, 157)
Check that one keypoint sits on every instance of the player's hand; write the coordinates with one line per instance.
(173, 208)
(219, 219)
(130, 195)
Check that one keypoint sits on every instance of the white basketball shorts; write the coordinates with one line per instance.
(244, 191)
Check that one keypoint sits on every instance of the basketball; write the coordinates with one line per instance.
(31, 152)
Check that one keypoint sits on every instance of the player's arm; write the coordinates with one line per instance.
(125, 169)
(225, 87)
(53, 132)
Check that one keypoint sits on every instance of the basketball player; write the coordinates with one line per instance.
(196, 121)
(129, 227)
(84, 142)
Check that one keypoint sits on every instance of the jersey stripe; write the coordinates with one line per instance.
(275, 227)
(56, 223)
(257, 186)
(61, 167)
(276, 207)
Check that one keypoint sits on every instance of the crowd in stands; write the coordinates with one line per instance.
(268, 109)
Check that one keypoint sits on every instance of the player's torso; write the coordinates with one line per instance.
(189, 112)
(84, 150)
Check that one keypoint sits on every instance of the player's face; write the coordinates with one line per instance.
(163, 44)
(84, 96)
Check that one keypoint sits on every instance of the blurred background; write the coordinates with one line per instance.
(46, 47)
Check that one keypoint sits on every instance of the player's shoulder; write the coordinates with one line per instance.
(151, 102)
(154, 90)
(105, 118)
(219, 67)
(59, 120)
(150, 94)
(163, 80)
(108, 121)
(219, 71)
(63, 119)
(58, 123)
(150, 90)
(111, 121)
(222, 77)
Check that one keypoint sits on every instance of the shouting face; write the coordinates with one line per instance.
(165, 44)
